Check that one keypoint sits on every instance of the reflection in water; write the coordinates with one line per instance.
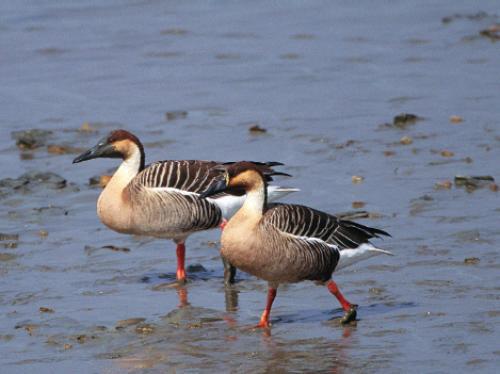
(183, 296)
(332, 355)
(231, 298)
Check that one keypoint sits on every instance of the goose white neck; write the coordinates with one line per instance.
(130, 166)
(256, 199)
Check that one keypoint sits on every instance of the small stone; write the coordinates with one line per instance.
(144, 328)
(128, 322)
(116, 249)
(357, 179)
(196, 268)
(174, 31)
(7, 256)
(376, 290)
(493, 187)
(444, 185)
(358, 204)
(5, 237)
(81, 338)
(57, 149)
(43, 233)
(474, 182)
(456, 119)
(211, 243)
(389, 153)
(406, 140)
(44, 309)
(176, 114)
(492, 32)
(256, 129)
(446, 153)
(86, 127)
(404, 118)
(31, 139)
(67, 346)
(472, 261)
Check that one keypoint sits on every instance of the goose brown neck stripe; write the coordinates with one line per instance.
(123, 135)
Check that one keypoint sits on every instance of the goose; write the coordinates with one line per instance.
(162, 199)
(285, 243)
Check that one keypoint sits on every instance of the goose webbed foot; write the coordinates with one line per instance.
(349, 315)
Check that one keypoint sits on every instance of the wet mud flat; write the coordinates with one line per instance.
(389, 114)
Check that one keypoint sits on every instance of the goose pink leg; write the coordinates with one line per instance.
(181, 258)
(264, 319)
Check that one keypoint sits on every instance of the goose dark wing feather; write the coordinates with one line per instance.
(307, 222)
(193, 175)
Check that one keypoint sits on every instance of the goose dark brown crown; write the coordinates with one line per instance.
(120, 134)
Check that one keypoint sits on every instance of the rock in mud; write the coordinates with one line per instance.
(492, 32)
(63, 149)
(404, 119)
(357, 179)
(447, 153)
(31, 139)
(44, 309)
(256, 129)
(7, 257)
(358, 204)
(8, 237)
(30, 181)
(456, 119)
(472, 183)
(89, 250)
(124, 323)
(145, 328)
(444, 185)
(406, 140)
(176, 114)
(471, 261)
(196, 268)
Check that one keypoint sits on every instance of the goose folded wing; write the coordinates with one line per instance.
(312, 224)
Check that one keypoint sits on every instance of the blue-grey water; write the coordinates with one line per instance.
(324, 78)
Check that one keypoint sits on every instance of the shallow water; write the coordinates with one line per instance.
(322, 78)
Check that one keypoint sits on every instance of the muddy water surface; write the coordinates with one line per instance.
(325, 80)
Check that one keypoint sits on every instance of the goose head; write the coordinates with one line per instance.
(117, 144)
(243, 175)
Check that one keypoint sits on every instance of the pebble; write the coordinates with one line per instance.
(176, 114)
(406, 140)
(44, 309)
(358, 204)
(128, 322)
(472, 261)
(256, 129)
(456, 119)
(144, 328)
(357, 179)
(31, 139)
(446, 153)
(444, 185)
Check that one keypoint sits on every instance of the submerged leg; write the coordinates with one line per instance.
(350, 309)
(264, 319)
(181, 257)
(229, 270)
